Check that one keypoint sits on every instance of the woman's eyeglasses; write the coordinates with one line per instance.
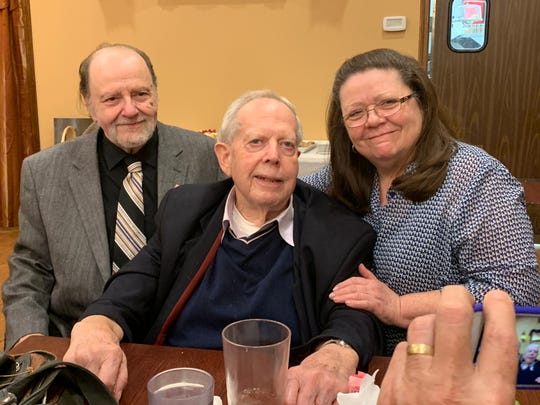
(385, 108)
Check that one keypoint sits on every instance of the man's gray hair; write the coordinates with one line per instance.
(230, 125)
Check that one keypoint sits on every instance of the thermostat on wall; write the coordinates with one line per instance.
(395, 23)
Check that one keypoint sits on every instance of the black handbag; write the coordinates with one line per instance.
(37, 377)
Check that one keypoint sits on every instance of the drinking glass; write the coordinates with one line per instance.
(181, 386)
(256, 354)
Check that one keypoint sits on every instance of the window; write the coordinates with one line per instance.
(468, 22)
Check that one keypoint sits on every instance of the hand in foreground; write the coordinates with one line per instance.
(95, 345)
(370, 294)
(319, 378)
(449, 375)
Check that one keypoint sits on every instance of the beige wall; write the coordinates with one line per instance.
(208, 52)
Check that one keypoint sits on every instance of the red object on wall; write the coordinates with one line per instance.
(470, 12)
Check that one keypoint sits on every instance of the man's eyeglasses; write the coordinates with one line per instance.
(385, 108)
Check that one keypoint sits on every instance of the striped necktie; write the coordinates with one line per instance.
(128, 235)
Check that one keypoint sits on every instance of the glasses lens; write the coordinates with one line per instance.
(359, 122)
(356, 119)
(387, 108)
(384, 109)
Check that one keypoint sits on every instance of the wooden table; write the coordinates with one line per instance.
(144, 361)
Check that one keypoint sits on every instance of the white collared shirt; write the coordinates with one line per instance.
(242, 229)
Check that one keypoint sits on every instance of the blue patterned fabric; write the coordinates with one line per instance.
(474, 231)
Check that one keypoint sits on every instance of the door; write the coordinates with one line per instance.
(494, 93)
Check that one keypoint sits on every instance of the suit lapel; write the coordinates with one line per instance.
(86, 188)
(196, 250)
(172, 170)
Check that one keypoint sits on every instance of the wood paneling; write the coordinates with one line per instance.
(495, 94)
(532, 197)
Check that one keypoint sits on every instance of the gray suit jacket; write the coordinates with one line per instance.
(61, 260)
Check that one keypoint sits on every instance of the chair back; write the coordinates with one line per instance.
(68, 134)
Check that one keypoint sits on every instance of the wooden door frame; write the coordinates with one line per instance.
(423, 36)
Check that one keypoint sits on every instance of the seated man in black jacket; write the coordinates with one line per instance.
(259, 245)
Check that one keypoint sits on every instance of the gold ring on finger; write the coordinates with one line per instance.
(419, 348)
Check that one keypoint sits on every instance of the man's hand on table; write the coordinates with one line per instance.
(319, 378)
(95, 345)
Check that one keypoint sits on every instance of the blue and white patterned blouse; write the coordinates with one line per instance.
(473, 231)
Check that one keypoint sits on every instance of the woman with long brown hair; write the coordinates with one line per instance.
(445, 212)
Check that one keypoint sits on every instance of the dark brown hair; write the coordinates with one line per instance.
(352, 173)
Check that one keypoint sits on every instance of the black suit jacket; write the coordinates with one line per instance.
(147, 294)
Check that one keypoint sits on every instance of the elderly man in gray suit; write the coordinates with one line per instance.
(70, 193)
